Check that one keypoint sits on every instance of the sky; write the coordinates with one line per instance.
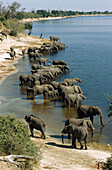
(74, 5)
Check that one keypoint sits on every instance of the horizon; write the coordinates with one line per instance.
(64, 5)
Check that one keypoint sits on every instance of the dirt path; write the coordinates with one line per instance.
(58, 156)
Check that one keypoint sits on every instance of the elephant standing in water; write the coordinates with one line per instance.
(80, 122)
(74, 99)
(78, 132)
(89, 111)
(36, 123)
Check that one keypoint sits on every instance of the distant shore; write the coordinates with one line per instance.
(54, 18)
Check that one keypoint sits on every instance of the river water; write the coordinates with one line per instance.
(89, 56)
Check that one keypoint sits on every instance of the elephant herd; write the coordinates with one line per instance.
(42, 81)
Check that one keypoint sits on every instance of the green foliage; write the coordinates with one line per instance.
(108, 164)
(13, 33)
(28, 26)
(14, 138)
(15, 26)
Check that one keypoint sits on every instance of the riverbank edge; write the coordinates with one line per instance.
(55, 18)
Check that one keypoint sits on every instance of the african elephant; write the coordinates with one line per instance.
(35, 90)
(65, 90)
(56, 39)
(36, 123)
(51, 37)
(50, 94)
(80, 122)
(73, 81)
(56, 84)
(78, 132)
(27, 80)
(12, 54)
(43, 61)
(89, 111)
(32, 49)
(23, 52)
(63, 67)
(39, 89)
(58, 62)
(74, 99)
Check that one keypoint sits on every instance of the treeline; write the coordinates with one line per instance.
(11, 14)
(13, 11)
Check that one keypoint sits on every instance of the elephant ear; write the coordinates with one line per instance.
(92, 110)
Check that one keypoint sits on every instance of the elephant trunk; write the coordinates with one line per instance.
(62, 138)
(100, 114)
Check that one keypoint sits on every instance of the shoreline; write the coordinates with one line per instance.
(55, 18)
(7, 66)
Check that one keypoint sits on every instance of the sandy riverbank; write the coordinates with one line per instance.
(21, 42)
(54, 18)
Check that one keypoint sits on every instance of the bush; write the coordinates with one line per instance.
(28, 26)
(14, 138)
(108, 164)
(13, 33)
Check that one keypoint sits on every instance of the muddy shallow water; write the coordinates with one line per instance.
(89, 57)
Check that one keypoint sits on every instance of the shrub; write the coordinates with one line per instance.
(14, 138)
(13, 33)
(108, 164)
(28, 26)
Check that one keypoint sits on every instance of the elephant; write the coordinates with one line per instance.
(50, 94)
(36, 67)
(38, 55)
(56, 84)
(74, 99)
(23, 52)
(27, 80)
(36, 123)
(89, 111)
(39, 89)
(56, 39)
(51, 37)
(43, 61)
(63, 67)
(72, 81)
(65, 90)
(32, 49)
(59, 45)
(78, 132)
(80, 122)
(58, 62)
(12, 55)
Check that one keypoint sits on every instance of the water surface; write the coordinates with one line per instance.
(89, 56)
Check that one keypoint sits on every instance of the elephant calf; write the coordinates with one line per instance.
(80, 122)
(78, 132)
(36, 123)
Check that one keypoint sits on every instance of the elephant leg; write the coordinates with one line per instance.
(69, 136)
(43, 134)
(80, 144)
(85, 144)
(31, 130)
(91, 118)
(73, 142)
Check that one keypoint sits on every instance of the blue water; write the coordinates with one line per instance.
(89, 56)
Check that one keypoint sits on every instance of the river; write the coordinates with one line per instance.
(89, 56)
